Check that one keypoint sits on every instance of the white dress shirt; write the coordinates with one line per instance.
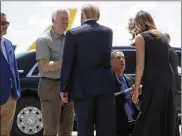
(3, 49)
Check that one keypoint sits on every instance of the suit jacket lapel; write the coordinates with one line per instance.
(129, 80)
(6, 44)
(117, 78)
(1, 52)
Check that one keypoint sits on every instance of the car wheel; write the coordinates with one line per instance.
(28, 118)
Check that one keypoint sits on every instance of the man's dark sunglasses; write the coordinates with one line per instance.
(5, 23)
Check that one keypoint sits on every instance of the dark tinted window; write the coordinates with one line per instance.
(25, 61)
(179, 67)
(130, 60)
(179, 58)
(35, 72)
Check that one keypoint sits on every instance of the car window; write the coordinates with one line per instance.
(35, 72)
(25, 66)
(130, 60)
(179, 59)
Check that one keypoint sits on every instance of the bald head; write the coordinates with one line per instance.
(60, 20)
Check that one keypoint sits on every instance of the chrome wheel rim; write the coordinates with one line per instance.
(29, 120)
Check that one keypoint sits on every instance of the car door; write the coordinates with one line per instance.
(178, 93)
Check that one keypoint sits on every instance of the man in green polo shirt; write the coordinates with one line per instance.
(58, 117)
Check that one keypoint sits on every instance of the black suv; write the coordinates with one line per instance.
(28, 116)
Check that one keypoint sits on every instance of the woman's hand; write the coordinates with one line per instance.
(133, 90)
(135, 96)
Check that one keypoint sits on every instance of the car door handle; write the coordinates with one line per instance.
(21, 71)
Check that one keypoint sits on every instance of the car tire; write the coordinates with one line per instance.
(27, 116)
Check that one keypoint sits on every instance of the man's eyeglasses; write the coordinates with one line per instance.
(5, 23)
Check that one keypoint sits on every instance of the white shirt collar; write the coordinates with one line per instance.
(3, 48)
(2, 41)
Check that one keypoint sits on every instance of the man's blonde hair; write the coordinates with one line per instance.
(91, 11)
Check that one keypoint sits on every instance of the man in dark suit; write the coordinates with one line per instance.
(87, 77)
(125, 109)
(173, 59)
(9, 80)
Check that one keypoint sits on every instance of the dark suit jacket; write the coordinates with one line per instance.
(120, 99)
(173, 58)
(8, 74)
(86, 69)
(123, 127)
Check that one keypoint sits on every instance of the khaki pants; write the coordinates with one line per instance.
(58, 118)
(7, 116)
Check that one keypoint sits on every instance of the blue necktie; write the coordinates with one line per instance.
(128, 104)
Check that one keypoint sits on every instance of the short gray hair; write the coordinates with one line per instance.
(115, 52)
(55, 11)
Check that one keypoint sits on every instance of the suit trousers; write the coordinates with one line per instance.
(7, 116)
(58, 118)
(96, 110)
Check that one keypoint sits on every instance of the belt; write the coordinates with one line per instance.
(58, 79)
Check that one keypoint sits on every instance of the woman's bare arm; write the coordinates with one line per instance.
(140, 55)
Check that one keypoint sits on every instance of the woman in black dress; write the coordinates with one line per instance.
(157, 117)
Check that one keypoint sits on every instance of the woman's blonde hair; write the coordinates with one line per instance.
(142, 22)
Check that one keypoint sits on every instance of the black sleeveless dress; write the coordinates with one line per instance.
(157, 117)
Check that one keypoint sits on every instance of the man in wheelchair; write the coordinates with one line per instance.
(126, 111)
